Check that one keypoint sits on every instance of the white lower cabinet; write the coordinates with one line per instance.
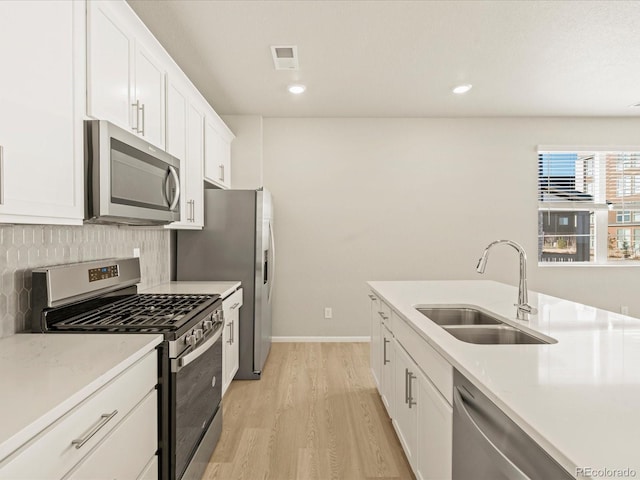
(126, 451)
(375, 349)
(111, 434)
(230, 337)
(406, 402)
(387, 386)
(435, 417)
(415, 386)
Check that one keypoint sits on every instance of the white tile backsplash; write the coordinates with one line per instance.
(25, 247)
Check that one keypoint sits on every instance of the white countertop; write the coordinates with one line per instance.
(578, 398)
(224, 289)
(42, 376)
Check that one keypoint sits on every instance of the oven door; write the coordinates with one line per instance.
(197, 391)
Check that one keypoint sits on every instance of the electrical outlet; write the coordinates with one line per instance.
(624, 309)
(136, 252)
(328, 313)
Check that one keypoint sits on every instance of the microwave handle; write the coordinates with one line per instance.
(174, 174)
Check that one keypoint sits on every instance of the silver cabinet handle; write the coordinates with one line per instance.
(221, 176)
(230, 325)
(193, 211)
(411, 402)
(472, 429)
(1, 175)
(104, 419)
(384, 317)
(372, 297)
(233, 331)
(136, 107)
(143, 119)
(406, 385)
(235, 305)
(384, 350)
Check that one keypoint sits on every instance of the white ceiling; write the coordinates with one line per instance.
(401, 58)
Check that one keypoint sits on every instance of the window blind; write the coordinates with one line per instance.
(569, 180)
(623, 180)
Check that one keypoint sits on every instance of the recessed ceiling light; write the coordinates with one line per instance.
(460, 89)
(296, 89)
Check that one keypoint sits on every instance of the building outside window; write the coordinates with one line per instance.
(584, 196)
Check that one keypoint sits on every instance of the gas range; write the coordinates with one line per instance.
(101, 297)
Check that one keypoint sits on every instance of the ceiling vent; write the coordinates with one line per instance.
(285, 57)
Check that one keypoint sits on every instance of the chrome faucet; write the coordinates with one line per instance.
(524, 309)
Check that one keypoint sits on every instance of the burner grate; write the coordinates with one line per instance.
(151, 312)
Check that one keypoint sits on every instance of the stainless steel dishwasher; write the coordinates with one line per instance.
(489, 445)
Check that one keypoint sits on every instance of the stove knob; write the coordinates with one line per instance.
(198, 333)
(190, 340)
(207, 325)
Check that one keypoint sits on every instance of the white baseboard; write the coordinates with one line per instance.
(319, 339)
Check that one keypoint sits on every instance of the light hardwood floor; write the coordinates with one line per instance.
(315, 414)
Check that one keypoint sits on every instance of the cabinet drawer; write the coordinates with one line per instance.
(385, 315)
(125, 452)
(232, 302)
(53, 450)
(435, 367)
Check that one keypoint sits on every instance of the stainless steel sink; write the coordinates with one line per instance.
(493, 335)
(458, 316)
(473, 325)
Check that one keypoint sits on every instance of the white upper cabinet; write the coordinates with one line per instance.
(217, 151)
(41, 104)
(125, 78)
(185, 123)
(109, 65)
(149, 110)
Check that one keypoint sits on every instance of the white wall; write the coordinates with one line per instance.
(246, 150)
(384, 199)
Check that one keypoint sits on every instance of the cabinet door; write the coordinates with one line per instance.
(435, 420)
(406, 412)
(149, 97)
(185, 141)
(110, 50)
(194, 166)
(177, 142)
(231, 353)
(376, 343)
(125, 453)
(217, 156)
(41, 102)
(388, 374)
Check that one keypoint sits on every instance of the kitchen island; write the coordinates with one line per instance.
(577, 398)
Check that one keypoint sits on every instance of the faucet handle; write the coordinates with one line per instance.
(526, 308)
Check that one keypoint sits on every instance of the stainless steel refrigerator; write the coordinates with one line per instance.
(236, 244)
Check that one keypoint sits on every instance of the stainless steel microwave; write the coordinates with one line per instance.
(127, 180)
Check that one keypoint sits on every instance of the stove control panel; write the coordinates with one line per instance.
(102, 273)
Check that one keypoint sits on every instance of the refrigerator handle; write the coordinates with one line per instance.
(273, 261)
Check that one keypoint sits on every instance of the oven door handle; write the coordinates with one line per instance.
(181, 362)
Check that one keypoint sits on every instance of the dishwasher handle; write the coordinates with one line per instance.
(499, 459)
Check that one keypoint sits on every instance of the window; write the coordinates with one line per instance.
(623, 217)
(583, 197)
